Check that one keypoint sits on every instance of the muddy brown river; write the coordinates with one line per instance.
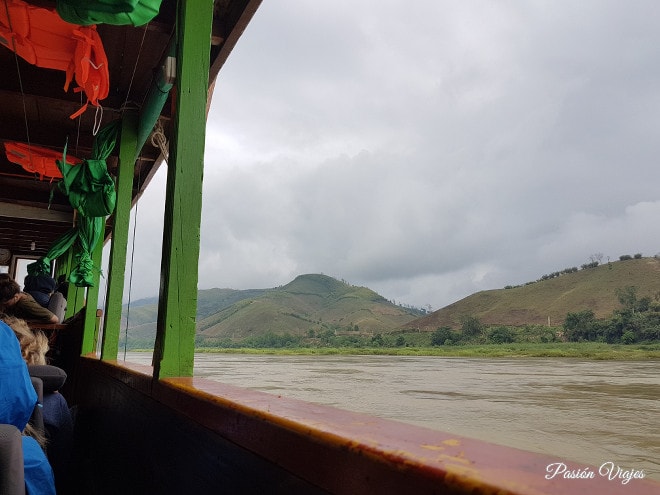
(579, 410)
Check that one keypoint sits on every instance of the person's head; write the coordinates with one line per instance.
(34, 346)
(39, 283)
(9, 292)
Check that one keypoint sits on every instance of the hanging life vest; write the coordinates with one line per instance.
(90, 67)
(42, 38)
(37, 160)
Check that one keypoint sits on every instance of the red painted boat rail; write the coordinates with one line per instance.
(352, 453)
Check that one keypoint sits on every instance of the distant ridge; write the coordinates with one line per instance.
(590, 288)
(310, 302)
(317, 303)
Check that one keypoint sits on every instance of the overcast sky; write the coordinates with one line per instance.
(427, 149)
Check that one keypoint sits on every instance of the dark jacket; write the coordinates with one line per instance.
(40, 287)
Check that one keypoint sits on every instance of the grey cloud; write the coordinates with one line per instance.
(431, 151)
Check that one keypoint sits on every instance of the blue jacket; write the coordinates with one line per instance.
(17, 401)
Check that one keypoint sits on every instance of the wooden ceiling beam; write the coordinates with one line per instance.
(34, 213)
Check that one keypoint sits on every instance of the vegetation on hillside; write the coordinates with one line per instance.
(547, 302)
(310, 303)
(582, 350)
(636, 321)
(319, 312)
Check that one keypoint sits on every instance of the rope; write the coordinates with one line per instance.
(79, 121)
(98, 117)
(130, 277)
(158, 140)
(20, 81)
(137, 59)
(100, 322)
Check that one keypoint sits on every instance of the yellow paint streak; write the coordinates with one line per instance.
(432, 447)
(453, 442)
(460, 459)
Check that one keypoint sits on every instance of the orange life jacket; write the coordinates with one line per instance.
(42, 38)
(36, 159)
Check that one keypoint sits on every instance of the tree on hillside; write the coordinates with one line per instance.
(627, 297)
(580, 326)
(501, 335)
(443, 336)
(596, 258)
(644, 304)
(471, 326)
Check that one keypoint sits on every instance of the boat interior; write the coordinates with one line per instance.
(159, 429)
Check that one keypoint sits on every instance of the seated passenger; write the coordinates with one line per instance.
(34, 345)
(20, 304)
(57, 417)
(17, 401)
(40, 287)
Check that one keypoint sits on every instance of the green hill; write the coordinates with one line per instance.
(310, 302)
(535, 303)
(142, 314)
(319, 303)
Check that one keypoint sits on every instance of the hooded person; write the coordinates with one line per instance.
(17, 401)
(40, 287)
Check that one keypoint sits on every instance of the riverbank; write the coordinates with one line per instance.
(582, 350)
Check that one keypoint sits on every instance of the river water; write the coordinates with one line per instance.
(584, 411)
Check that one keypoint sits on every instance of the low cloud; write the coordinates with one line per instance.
(429, 153)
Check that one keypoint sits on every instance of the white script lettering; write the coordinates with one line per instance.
(559, 468)
(611, 471)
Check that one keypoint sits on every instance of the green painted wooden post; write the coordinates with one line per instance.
(177, 306)
(90, 330)
(117, 260)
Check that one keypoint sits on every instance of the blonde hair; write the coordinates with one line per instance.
(40, 437)
(34, 345)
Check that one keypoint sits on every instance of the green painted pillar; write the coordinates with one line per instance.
(122, 216)
(177, 306)
(90, 330)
